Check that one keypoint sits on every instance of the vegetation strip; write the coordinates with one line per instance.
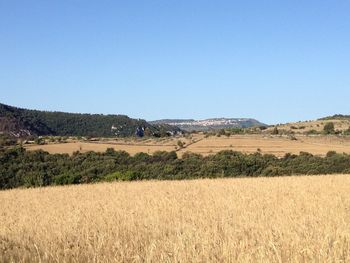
(21, 168)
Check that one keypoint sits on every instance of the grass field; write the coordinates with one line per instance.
(284, 219)
(277, 145)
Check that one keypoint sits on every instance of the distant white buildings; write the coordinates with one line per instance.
(209, 122)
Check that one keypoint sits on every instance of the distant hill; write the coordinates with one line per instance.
(18, 122)
(210, 124)
(336, 117)
(341, 125)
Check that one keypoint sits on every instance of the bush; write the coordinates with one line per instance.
(275, 131)
(273, 171)
(39, 141)
(66, 179)
(222, 132)
(331, 154)
(347, 132)
(329, 128)
(181, 144)
(113, 177)
(129, 176)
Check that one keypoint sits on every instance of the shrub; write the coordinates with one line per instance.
(129, 176)
(273, 171)
(66, 178)
(331, 154)
(113, 177)
(141, 157)
(222, 132)
(181, 144)
(39, 141)
(275, 131)
(329, 128)
(347, 132)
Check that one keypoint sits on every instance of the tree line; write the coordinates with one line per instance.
(21, 168)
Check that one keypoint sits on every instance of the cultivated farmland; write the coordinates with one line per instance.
(284, 219)
(276, 145)
(198, 143)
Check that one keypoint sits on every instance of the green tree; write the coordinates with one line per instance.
(222, 132)
(329, 128)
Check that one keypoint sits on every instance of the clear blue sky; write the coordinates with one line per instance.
(276, 61)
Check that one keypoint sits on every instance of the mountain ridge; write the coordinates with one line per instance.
(210, 123)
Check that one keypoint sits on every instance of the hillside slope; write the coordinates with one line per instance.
(341, 125)
(19, 122)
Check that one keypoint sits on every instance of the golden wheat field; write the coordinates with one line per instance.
(267, 144)
(130, 145)
(283, 219)
(276, 145)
